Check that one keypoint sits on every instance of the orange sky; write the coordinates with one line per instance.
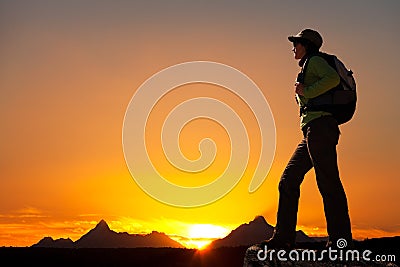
(69, 70)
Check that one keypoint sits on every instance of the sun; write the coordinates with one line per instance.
(201, 235)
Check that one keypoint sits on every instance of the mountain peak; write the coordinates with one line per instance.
(246, 234)
(251, 233)
(259, 219)
(103, 237)
(102, 225)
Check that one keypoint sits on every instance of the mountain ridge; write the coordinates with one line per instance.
(101, 236)
(251, 233)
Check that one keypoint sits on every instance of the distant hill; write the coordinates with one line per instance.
(252, 233)
(103, 237)
(48, 242)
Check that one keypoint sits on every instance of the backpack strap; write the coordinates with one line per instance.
(310, 106)
(300, 76)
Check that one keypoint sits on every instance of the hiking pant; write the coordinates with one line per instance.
(317, 149)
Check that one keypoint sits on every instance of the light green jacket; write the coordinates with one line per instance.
(319, 78)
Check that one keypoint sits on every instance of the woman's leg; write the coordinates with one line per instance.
(289, 193)
(322, 137)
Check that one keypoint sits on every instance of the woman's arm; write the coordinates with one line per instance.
(320, 77)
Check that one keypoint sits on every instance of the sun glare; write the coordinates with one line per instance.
(201, 235)
(207, 231)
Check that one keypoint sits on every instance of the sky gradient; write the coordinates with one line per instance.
(68, 70)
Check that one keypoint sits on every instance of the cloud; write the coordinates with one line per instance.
(188, 239)
(24, 213)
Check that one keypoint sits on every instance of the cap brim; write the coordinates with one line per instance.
(294, 38)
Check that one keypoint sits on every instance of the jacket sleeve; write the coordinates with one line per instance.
(324, 75)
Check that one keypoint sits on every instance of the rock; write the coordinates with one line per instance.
(256, 257)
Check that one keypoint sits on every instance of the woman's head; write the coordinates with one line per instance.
(299, 50)
(302, 47)
(306, 42)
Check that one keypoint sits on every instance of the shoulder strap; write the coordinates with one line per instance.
(305, 64)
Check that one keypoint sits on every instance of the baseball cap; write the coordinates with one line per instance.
(308, 34)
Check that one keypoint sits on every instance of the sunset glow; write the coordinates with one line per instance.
(207, 231)
(69, 69)
(201, 235)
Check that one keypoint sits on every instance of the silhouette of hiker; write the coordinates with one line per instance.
(317, 149)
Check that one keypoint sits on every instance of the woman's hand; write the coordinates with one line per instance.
(299, 88)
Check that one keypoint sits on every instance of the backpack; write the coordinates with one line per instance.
(341, 100)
